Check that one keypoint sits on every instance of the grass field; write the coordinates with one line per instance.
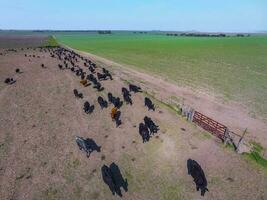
(233, 68)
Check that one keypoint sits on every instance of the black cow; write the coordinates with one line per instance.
(92, 70)
(115, 101)
(110, 97)
(102, 102)
(107, 73)
(9, 81)
(151, 125)
(88, 109)
(91, 78)
(144, 132)
(42, 65)
(77, 94)
(125, 91)
(88, 145)
(149, 104)
(127, 99)
(195, 170)
(82, 76)
(101, 76)
(60, 66)
(134, 88)
(107, 178)
(110, 76)
(17, 70)
(117, 118)
(98, 86)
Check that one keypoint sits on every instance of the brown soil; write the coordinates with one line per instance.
(39, 159)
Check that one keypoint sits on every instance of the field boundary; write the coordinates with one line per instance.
(214, 127)
(209, 124)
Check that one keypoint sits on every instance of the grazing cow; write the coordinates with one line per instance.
(88, 109)
(127, 99)
(91, 69)
(9, 81)
(125, 91)
(110, 97)
(117, 117)
(107, 178)
(101, 76)
(107, 73)
(151, 125)
(82, 76)
(77, 94)
(144, 132)
(17, 70)
(88, 145)
(149, 104)
(117, 102)
(105, 70)
(126, 96)
(84, 82)
(98, 86)
(60, 66)
(195, 170)
(42, 65)
(72, 69)
(114, 110)
(134, 88)
(102, 102)
(91, 78)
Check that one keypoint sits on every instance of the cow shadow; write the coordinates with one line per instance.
(117, 118)
(92, 146)
(118, 179)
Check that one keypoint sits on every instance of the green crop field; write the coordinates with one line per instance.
(232, 67)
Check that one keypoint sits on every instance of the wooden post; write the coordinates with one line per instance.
(191, 114)
(226, 136)
(240, 141)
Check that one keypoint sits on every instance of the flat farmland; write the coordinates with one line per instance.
(231, 68)
(39, 158)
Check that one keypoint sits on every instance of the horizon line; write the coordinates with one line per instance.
(129, 30)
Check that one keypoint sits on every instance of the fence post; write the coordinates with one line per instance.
(191, 115)
(226, 136)
(240, 141)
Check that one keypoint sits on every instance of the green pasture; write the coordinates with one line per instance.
(231, 68)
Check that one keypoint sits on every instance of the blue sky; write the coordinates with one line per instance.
(179, 15)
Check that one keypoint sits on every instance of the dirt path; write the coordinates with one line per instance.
(231, 114)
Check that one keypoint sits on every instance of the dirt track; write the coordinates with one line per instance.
(39, 158)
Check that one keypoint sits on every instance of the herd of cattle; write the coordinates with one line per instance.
(111, 175)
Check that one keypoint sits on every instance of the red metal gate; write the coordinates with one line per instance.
(209, 124)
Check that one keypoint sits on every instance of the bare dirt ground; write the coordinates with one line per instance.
(231, 114)
(21, 41)
(39, 159)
